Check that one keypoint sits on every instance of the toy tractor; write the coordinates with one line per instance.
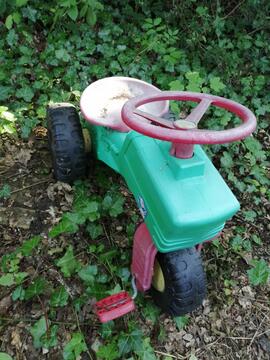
(182, 198)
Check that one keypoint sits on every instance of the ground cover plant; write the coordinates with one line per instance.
(62, 246)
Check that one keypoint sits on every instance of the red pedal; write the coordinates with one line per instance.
(114, 306)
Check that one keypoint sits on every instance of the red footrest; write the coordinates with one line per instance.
(114, 306)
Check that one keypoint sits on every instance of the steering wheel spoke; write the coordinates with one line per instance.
(155, 119)
(197, 113)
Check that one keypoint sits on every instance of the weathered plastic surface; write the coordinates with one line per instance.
(101, 101)
(143, 258)
(183, 201)
(114, 306)
(192, 136)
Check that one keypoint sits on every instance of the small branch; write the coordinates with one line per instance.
(29, 186)
(78, 324)
(169, 355)
(248, 222)
(233, 10)
(255, 335)
(52, 321)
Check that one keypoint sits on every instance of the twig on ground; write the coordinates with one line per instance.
(78, 324)
(29, 186)
(256, 332)
(169, 355)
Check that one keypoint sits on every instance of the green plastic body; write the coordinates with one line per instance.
(184, 202)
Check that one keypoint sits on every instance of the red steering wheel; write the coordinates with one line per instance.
(185, 131)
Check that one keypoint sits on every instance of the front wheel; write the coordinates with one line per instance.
(179, 282)
(66, 142)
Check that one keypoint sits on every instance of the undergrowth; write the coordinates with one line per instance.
(49, 52)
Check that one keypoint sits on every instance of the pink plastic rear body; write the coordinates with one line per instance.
(143, 258)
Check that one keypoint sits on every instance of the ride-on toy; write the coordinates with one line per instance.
(182, 198)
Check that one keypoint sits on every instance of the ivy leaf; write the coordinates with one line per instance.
(12, 38)
(226, 160)
(74, 347)
(26, 93)
(5, 192)
(42, 337)
(59, 297)
(19, 277)
(29, 245)
(73, 12)
(69, 224)
(5, 92)
(37, 330)
(9, 22)
(94, 230)
(49, 339)
(5, 356)
(7, 280)
(62, 54)
(146, 352)
(91, 17)
(108, 352)
(176, 85)
(68, 263)
(250, 215)
(260, 272)
(216, 84)
(107, 202)
(36, 288)
(181, 321)
(90, 210)
(117, 207)
(18, 293)
(88, 273)
(194, 81)
(20, 3)
(130, 342)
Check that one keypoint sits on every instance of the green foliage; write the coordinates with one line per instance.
(108, 352)
(7, 119)
(181, 321)
(260, 272)
(87, 210)
(37, 287)
(131, 341)
(5, 356)
(50, 51)
(74, 347)
(68, 263)
(43, 334)
(7, 280)
(29, 245)
(59, 297)
(37, 331)
(88, 274)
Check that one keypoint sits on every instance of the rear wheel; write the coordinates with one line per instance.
(178, 284)
(66, 142)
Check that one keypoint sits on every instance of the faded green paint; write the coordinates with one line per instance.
(185, 201)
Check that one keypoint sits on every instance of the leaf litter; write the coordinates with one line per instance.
(233, 323)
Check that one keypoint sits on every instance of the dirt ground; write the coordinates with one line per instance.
(234, 322)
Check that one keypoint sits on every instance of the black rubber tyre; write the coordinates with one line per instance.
(66, 142)
(184, 282)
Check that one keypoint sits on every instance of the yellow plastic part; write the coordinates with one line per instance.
(158, 281)
(87, 140)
